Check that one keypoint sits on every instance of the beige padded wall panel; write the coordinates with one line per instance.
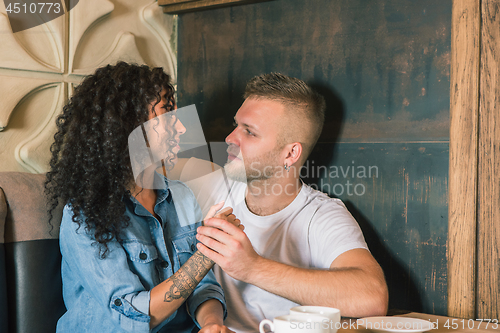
(40, 65)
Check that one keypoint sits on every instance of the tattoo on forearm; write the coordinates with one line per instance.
(188, 276)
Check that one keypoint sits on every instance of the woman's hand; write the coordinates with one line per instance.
(215, 328)
(225, 214)
(209, 315)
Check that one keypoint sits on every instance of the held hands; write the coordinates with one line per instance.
(225, 243)
(225, 214)
(215, 328)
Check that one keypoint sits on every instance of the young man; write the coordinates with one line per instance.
(299, 246)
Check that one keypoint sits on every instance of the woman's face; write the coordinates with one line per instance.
(166, 129)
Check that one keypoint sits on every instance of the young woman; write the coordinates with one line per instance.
(129, 259)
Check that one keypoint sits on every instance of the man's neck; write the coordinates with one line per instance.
(266, 197)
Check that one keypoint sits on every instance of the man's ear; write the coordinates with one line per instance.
(294, 152)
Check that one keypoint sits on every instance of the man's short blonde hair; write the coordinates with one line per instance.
(304, 107)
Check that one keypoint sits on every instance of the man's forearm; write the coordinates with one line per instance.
(356, 292)
(354, 283)
(166, 297)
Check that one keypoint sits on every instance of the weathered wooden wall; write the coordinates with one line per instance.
(464, 127)
(383, 66)
(488, 227)
(474, 205)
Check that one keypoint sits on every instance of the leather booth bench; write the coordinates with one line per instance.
(30, 260)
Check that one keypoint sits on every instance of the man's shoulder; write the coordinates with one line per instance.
(322, 210)
(315, 198)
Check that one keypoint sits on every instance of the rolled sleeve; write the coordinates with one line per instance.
(132, 318)
(134, 306)
(207, 289)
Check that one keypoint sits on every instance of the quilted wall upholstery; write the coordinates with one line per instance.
(41, 66)
(31, 268)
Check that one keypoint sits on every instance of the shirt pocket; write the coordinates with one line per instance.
(185, 246)
(140, 252)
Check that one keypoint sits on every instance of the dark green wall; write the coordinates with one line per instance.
(383, 66)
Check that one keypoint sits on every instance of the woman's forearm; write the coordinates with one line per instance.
(166, 297)
(210, 312)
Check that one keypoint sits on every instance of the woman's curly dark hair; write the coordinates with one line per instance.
(90, 163)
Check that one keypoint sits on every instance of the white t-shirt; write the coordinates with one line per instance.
(310, 233)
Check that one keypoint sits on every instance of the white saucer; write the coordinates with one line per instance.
(395, 324)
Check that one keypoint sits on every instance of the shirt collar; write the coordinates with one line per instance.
(161, 195)
(164, 193)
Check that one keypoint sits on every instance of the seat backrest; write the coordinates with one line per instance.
(3, 282)
(32, 256)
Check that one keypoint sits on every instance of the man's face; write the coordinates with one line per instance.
(253, 152)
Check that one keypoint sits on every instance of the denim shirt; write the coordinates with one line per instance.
(112, 294)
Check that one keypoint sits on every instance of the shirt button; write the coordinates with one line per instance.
(164, 264)
(118, 302)
(143, 256)
(193, 247)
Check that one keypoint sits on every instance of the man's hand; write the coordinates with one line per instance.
(229, 247)
(215, 328)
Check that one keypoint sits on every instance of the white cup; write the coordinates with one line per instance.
(332, 314)
(297, 324)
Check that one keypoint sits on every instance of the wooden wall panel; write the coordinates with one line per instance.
(366, 53)
(488, 231)
(464, 91)
(383, 66)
